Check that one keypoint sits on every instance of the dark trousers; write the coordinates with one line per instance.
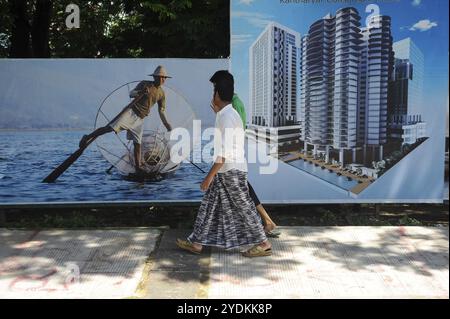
(253, 195)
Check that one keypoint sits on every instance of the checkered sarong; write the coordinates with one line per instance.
(227, 216)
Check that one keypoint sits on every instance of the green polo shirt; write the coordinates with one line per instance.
(238, 105)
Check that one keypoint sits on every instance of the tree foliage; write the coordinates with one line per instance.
(116, 29)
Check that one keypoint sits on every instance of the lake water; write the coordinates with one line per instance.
(324, 174)
(28, 157)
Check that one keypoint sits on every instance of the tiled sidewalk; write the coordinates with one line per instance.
(74, 263)
(308, 262)
(340, 262)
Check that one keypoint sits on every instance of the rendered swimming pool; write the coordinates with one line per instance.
(324, 174)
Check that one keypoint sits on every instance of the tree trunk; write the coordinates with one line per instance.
(20, 35)
(41, 29)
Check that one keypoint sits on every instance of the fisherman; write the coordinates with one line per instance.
(145, 96)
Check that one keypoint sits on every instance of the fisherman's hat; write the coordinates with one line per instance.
(160, 71)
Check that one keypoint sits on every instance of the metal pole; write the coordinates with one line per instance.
(377, 211)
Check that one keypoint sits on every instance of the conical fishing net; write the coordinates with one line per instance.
(155, 147)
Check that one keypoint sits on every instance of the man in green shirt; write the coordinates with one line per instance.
(238, 105)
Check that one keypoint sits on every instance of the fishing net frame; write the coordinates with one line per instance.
(152, 139)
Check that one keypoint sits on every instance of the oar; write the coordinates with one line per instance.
(108, 171)
(72, 158)
(66, 164)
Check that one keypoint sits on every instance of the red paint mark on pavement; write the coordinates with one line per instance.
(39, 280)
(402, 231)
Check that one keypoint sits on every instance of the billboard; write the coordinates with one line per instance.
(349, 96)
(47, 106)
(345, 103)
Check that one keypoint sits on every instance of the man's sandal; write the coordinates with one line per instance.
(184, 244)
(257, 251)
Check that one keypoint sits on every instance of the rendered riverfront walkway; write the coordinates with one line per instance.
(308, 262)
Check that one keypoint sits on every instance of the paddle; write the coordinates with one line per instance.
(72, 158)
(51, 178)
(108, 171)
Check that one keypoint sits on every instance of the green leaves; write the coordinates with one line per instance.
(133, 28)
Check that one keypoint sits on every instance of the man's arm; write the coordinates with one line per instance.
(137, 90)
(162, 114)
(212, 173)
(219, 153)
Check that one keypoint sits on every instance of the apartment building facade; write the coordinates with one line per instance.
(376, 68)
(346, 70)
(273, 71)
(405, 121)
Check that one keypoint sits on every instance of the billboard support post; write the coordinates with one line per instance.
(377, 211)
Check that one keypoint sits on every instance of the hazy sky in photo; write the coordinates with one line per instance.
(49, 93)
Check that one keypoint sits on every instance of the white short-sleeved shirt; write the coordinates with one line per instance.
(229, 140)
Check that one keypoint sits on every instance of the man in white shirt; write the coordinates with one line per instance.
(227, 216)
(238, 105)
(228, 140)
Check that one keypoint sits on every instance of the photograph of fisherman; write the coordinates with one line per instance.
(227, 217)
(131, 118)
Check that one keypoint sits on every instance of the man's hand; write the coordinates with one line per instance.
(162, 115)
(212, 173)
(206, 183)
